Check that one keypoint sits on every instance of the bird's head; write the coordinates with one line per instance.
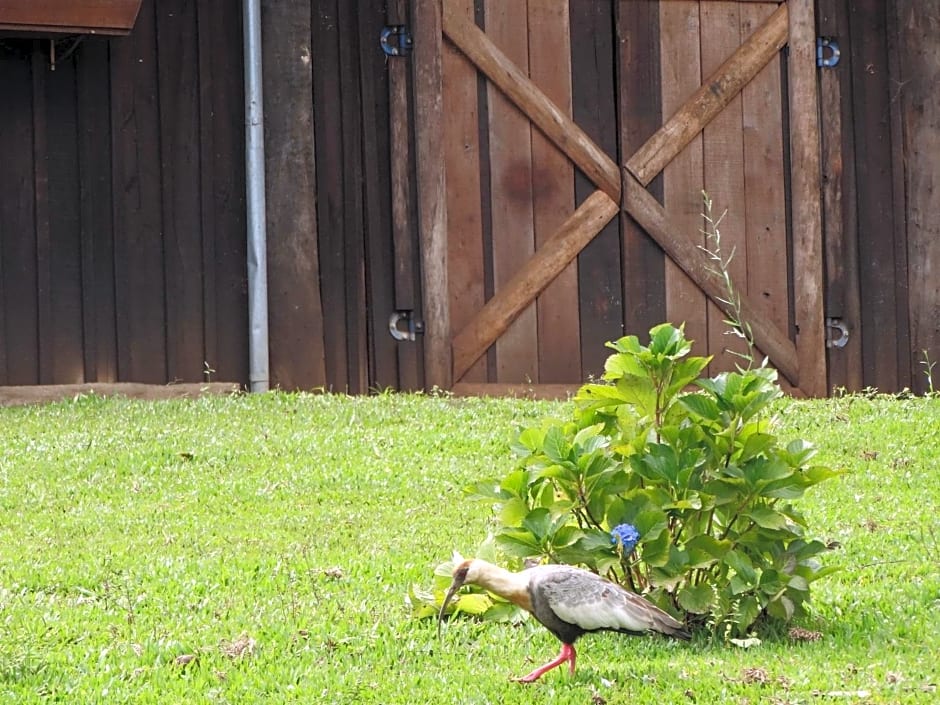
(465, 572)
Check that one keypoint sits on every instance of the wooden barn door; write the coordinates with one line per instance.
(504, 195)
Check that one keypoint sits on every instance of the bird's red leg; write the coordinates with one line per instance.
(567, 654)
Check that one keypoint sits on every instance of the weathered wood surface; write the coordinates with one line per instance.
(559, 350)
(640, 111)
(651, 215)
(432, 220)
(766, 251)
(714, 94)
(919, 28)
(806, 213)
(402, 169)
(723, 172)
(467, 270)
(532, 278)
(295, 311)
(557, 126)
(49, 393)
(682, 163)
(510, 169)
(69, 17)
(872, 91)
(594, 89)
(839, 196)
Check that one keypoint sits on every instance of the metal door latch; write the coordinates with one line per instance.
(412, 326)
(824, 44)
(396, 40)
(833, 325)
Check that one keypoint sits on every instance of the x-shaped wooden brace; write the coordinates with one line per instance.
(617, 189)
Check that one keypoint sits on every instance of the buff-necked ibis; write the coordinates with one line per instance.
(569, 602)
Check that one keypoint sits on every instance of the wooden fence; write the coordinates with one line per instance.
(543, 232)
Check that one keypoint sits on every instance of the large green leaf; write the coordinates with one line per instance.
(556, 445)
(709, 545)
(656, 552)
(697, 599)
(767, 518)
(701, 405)
(742, 565)
(473, 603)
(538, 522)
(513, 512)
(518, 542)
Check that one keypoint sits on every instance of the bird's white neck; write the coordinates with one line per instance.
(512, 586)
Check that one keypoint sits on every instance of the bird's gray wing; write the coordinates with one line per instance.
(582, 598)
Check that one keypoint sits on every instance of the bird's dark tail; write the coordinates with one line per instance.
(665, 624)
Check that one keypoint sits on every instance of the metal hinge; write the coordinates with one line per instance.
(413, 326)
(833, 325)
(824, 45)
(396, 40)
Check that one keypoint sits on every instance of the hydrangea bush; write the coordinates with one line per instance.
(671, 484)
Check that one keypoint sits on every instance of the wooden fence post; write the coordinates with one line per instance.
(806, 209)
(432, 192)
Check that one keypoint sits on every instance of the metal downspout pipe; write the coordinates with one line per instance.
(258, 371)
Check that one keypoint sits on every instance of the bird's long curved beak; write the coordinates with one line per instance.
(451, 591)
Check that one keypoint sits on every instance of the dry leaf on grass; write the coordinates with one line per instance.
(244, 645)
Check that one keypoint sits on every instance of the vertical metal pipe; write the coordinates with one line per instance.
(254, 173)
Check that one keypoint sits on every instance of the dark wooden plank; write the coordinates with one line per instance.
(378, 253)
(510, 158)
(353, 174)
(594, 107)
(906, 353)
(875, 203)
(97, 235)
(839, 207)
(178, 86)
(223, 185)
(138, 225)
(467, 192)
(204, 93)
(20, 341)
(644, 264)
(41, 206)
(64, 338)
(328, 118)
(917, 30)
(559, 342)
(296, 211)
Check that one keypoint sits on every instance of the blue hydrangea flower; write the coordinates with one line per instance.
(625, 535)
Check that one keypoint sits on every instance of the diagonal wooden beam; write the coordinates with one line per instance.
(558, 127)
(647, 211)
(537, 273)
(688, 121)
(724, 84)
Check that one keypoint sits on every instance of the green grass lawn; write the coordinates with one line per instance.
(258, 549)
